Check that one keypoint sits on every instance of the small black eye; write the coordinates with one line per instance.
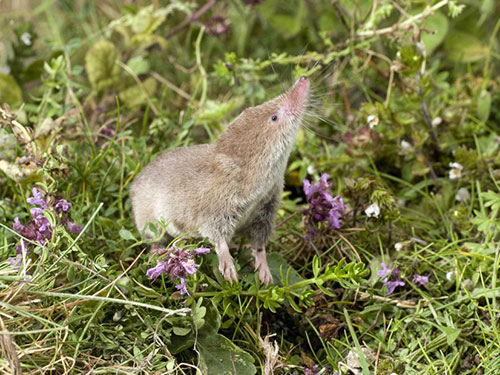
(274, 118)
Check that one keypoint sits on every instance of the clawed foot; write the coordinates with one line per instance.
(261, 265)
(227, 268)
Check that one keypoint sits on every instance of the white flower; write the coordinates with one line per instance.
(436, 121)
(372, 210)
(26, 38)
(405, 147)
(398, 246)
(455, 171)
(451, 275)
(462, 195)
(372, 121)
(311, 170)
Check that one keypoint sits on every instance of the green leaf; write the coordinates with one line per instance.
(483, 106)
(214, 111)
(286, 23)
(438, 23)
(139, 65)
(137, 95)
(218, 355)
(275, 262)
(465, 48)
(451, 334)
(199, 312)
(181, 331)
(487, 8)
(10, 92)
(126, 235)
(492, 199)
(101, 63)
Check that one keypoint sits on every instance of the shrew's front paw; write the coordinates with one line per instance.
(227, 268)
(265, 276)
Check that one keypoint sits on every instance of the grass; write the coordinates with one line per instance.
(82, 303)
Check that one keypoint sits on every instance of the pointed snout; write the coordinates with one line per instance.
(300, 89)
(302, 81)
(297, 96)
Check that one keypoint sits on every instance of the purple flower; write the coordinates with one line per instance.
(217, 26)
(384, 270)
(17, 226)
(386, 273)
(105, 135)
(391, 285)
(182, 286)
(420, 280)
(177, 263)
(38, 229)
(16, 261)
(42, 225)
(37, 199)
(190, 267)
(322, 206)
(201, 251)
(311, 370)
(320, 187)
(62, 205)
(107, 131)
(156, 271)
(72, 227)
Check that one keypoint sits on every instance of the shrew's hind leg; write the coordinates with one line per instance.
(260, 230)
(226, 263)
(261, 265)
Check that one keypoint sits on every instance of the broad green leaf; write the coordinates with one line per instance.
(276, 262)
(181, 331)
(126, 235)
(139, 65)
(451, 334)
(10, 92)
(483, 106)
(464, 47)
(289, 24)
(438, 23)
(218, 355)
(101, 63)
(215, 111)
(147, 20)
(137, 95)
(198, 313)
(180, 343)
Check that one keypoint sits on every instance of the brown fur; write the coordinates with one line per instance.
(230, 187)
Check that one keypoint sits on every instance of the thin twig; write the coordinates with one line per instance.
(200, 12)
(171, 86)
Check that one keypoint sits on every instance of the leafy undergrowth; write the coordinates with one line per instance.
(385, 261)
